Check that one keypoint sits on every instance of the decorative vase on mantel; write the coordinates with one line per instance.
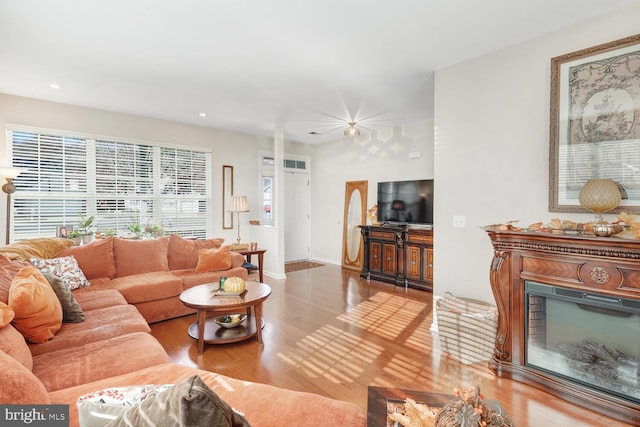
(600, 196)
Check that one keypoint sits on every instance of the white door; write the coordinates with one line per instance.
(297, 220)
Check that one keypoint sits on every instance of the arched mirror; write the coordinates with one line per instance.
(355, 215)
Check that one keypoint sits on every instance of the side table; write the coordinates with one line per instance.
(260, 252)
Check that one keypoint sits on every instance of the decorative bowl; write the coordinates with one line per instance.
(606, 230)
(254, 222)
(230, 320)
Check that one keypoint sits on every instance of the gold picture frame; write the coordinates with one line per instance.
(595, 123)
(227, 192)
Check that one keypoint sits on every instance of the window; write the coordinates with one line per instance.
(122, 184)
(267, 198)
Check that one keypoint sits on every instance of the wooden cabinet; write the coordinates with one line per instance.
(398, 254)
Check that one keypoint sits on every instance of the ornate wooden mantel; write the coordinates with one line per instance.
(609, 266)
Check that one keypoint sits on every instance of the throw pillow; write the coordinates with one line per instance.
(41, 247)
(6, 314)
(98, 408)
(140, 256)
(38, 313)
(65, 268)
(95, 259)
(189, 403)
(214, 259)
(183, 253)
(71, 310)
(8, 269)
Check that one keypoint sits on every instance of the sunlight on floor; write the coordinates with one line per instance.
(340, 356)
(387, 315)
(333, 354)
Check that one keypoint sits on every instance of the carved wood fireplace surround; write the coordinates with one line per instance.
(583, 277)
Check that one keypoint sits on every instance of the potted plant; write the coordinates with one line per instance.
(85, 224)
(75, 237)
(135, 229)
(153, 230)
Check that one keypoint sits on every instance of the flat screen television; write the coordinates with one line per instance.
(406, 202)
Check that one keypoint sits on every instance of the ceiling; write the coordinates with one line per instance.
(254, 65)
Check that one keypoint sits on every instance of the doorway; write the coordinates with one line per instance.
(297, 218)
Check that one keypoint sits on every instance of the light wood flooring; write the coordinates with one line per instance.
(330, 332)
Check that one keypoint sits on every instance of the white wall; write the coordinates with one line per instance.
(383, 156)
(492, 146)
(229, 148)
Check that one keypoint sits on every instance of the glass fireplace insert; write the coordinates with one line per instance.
(586, 337)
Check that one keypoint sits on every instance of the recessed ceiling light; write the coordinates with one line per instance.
(203, 114)
(54, 86)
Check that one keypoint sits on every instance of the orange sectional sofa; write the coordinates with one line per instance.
(150, 274)
(112, 347)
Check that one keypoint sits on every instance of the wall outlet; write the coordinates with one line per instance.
(458, 221)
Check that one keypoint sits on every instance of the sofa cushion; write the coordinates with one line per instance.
(140, 256)
(189, 403)
(38, 313)
(214, 259)
(71, 310)
(99, 324)
(66, 268)
(41, 247)
(98, 298)
(254, 400)
(19, 384)
(97, 408)
(8, 269)
(97, 360)
(12, 342)
(183, 253)
(95, 259)
(148, 287)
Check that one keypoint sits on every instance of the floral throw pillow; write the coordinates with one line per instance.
(100, 407)
(64, 268)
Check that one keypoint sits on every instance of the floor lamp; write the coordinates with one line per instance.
(9, 173)
(239, 204)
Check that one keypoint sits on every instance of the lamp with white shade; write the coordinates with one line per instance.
(9, 173)
(239, 204)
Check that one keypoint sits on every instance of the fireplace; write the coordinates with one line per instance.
(569, 317)
(584, 337)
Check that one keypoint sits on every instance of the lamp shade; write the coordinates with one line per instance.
(239, 204)
(600, 195)
(11, 172)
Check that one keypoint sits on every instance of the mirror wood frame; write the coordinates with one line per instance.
(354, 263)
(227, 192)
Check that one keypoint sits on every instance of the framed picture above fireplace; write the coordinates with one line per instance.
(595, 123)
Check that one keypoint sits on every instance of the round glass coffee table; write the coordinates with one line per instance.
(208, 306)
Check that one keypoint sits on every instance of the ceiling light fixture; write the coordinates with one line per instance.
(54, 86)
(203, 114)
(352, 130)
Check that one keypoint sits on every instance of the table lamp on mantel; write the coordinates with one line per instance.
(239, 204)
(600, 196)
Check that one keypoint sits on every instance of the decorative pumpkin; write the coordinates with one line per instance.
(233, 284)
